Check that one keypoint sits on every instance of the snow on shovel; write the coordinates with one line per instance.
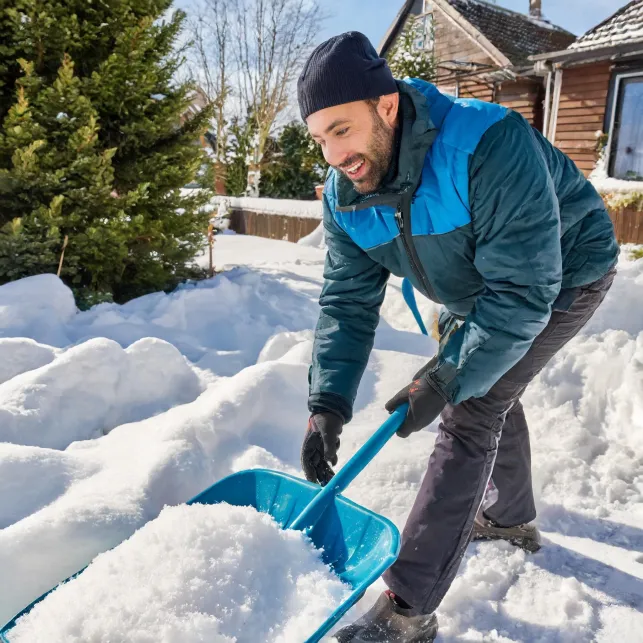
(358, 544)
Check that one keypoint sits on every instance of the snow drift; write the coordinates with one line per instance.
(112, 414)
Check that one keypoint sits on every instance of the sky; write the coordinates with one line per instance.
(373, 17)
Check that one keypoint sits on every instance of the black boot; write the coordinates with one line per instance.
(526, 536)
(388, 622)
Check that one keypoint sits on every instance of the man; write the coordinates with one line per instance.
(483, 215)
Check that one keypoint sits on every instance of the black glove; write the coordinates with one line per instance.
(320, 447)
(425, 402)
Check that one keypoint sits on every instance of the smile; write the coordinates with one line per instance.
(355, 168)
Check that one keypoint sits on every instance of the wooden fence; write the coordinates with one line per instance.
(272, 226)
(628, 224)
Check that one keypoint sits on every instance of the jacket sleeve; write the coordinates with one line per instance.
(351, 297)
(516, 224)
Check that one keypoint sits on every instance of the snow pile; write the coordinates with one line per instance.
(91, 388)
(18, 355)
(161, 397)
(219, 573)
(36, 307)
(316, 239)
(222, 322)
(32, 478)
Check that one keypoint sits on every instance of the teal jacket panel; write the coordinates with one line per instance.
(483, 216)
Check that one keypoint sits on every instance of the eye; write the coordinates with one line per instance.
(341, 132)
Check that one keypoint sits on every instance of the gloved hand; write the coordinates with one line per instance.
(425, 402)
(320, 447)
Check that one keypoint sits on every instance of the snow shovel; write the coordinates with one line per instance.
(357, 543)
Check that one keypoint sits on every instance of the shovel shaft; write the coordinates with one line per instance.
(350, 470)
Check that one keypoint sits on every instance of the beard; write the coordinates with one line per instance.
(377, 159)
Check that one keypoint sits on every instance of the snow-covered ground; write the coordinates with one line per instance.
(109, 415)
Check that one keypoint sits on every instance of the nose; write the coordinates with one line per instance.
(335, 153)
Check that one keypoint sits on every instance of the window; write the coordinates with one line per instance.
(626, 131)
(424, 33)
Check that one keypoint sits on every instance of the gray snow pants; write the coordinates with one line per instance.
(476, 438)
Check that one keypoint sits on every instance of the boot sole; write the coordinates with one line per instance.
(360, 634)
(528, 544)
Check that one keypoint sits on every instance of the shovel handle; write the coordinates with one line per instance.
(351, 469)
(367, 452)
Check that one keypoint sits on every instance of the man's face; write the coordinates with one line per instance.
(356, 139)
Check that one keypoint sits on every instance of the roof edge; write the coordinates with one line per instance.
(402, 14)
(473, 33)
(596, 53)
(528, 17)
(608, 19)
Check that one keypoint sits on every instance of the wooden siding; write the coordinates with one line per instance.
(581, 112)
(525, 97)
(452, 43)
(271, 226)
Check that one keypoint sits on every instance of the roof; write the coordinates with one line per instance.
(515, 35)
(626, 25)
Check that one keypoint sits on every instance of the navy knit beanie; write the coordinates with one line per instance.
(343, 69)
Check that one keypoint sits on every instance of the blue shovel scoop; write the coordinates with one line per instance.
(358, 544)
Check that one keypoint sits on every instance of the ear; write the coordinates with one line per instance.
(387, 108)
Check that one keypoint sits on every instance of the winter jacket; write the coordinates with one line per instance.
(483, 215)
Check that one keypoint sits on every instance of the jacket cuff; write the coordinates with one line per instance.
(331, 403)
(442, 378)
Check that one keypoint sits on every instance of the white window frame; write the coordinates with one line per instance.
(425, 34)
(610, 138)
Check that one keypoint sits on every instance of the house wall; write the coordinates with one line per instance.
(453, 44)
(526, 97)
(581, 112)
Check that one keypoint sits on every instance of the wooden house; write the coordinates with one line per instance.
(594, 97)
(482, 50)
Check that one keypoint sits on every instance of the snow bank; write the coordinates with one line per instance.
(252, 327)
(223, 321)
(220, 574)
(36, 307)
(18, 355)
(32, 478)
(623, 306)
(252, 419)
(315, 239)
(90, 389)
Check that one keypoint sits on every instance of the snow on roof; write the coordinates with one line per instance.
(626, 25)
(290, 207)
(516, 35)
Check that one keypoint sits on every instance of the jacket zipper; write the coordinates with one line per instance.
(411, 253)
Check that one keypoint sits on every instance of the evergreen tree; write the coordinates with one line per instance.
(93, 146)
(293, 165)
(407, 59)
